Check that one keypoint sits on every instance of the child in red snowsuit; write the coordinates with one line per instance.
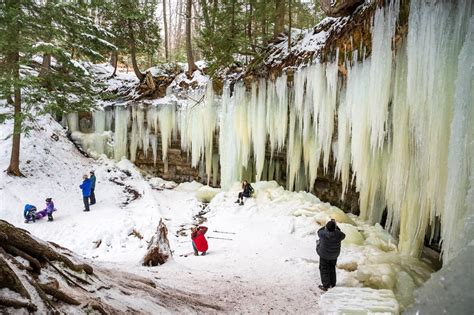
(199, 240)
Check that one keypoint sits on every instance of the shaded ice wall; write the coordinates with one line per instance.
(398, 121)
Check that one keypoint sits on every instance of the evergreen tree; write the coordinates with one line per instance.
(56, 31)
(135, 28)
(237, 31)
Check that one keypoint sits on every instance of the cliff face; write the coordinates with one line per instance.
(337, 8)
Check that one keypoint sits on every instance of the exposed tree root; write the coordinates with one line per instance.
(6, 302)
(59, 294)
(48, 279)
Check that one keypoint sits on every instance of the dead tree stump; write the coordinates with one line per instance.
(159, 250)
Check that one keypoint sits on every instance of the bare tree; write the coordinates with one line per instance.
(189, 49)
(133, 52)
(279, 17)
(165, 26)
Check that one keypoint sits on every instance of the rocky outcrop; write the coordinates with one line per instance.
(336, 8)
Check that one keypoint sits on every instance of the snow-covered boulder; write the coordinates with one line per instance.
(189, 187)
(206, 193)
(342, 300)
(353, 236)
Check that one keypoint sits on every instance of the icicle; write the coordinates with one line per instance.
(326, 114)
(343, 153)
(109, 117)
(383, 31)
(458, 207)
(281, 114)
(401, 146)
(122, 117)
(99, 118)
(134, 139)
(228, 146)
(294, 151)
(166, 119)
(73, 122)
(259, 135)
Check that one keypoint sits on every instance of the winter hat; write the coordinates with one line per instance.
(48, 199)
(92, 172)
(331, 226)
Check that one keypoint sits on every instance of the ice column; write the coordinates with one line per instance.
(121, 132)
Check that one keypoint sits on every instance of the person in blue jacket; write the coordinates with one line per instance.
(86, 187)
(29, 213)
(92, 179)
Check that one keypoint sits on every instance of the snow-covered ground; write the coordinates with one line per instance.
(265, 262)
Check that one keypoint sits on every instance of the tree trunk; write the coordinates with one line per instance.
(159, 250)
(279, 17)
(114, 62)
(264, 23)
(289, 25)
(214, 11)
(14, 167)
(232, 21)
(189, 49)
(45, 65)
(205, 14)
(133, 52)
(165, 26)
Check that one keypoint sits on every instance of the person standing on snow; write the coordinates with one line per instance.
(86, 191)
(328, 248)
(92, 179)
(247, 192)
(48, 211)
(199, 240)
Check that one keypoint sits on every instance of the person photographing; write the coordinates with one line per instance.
(199, 240)
(328, 248)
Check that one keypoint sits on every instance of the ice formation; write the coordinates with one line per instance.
(402, 125)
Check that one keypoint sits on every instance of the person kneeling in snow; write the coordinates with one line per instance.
(328, 248)
(247, 192)
(199, 240)
(29, 213)
(48, 211)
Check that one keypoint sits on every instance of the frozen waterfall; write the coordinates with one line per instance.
(399, 123)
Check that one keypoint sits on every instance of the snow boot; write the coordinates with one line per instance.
(241, 203)
(50, 218)
(203, 254)
(323, 288)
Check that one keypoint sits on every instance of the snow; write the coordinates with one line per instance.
(355, 301)
(261, 254)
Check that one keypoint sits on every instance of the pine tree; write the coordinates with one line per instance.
(52, 29)
(135, 28)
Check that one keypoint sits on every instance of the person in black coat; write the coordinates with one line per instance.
(247, 191)
(92, 196)
(328, 248)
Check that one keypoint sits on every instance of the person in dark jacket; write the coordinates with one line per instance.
(86, 191)
(247, 191)
(29, 213)
(328, 248)
(199, 240)
(92, 179)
